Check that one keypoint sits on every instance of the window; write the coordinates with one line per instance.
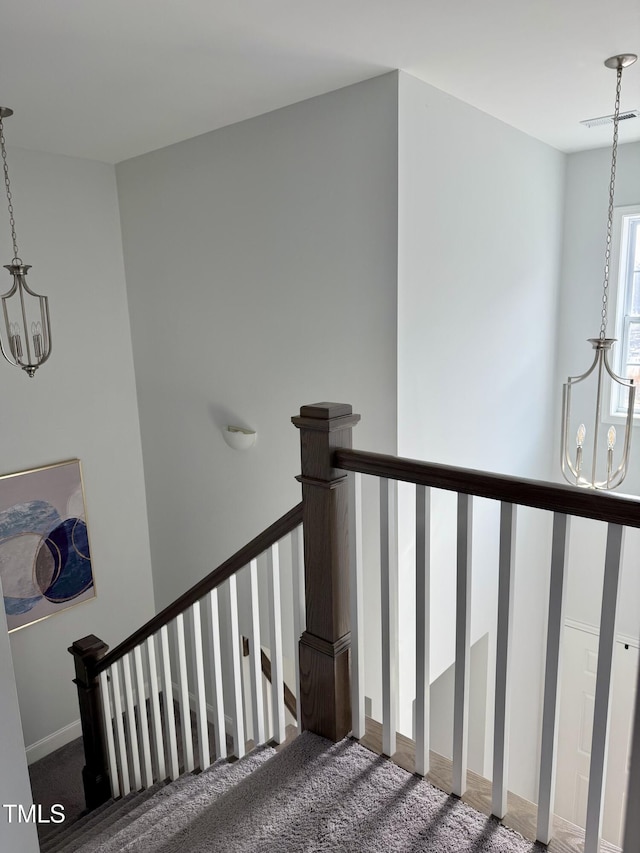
(627, 350)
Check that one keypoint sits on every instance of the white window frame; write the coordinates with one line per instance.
(620, 297)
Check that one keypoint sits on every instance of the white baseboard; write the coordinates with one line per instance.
(54, 741)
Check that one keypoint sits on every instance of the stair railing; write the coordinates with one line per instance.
(126, 696)
(331, 475)
(329, 617)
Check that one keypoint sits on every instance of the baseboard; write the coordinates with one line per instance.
(54, 741)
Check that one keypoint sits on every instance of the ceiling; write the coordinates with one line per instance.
(111, 79)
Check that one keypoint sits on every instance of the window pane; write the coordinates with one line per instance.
(629, 352)
(632, 372)
(635, 292)
(633, 344)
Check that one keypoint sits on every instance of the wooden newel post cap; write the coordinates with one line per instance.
(87, 652)
(89, 646)
(326, 417)
(324, 427)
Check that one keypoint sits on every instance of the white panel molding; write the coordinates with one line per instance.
(626, 640)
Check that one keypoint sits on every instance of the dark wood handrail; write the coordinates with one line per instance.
(233, 564)
(587, 503)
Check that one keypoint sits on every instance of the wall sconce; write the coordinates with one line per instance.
(27, 329)
(239, 438)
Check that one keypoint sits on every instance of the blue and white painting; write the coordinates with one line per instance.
(45, 561)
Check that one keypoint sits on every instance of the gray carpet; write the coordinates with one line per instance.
(313, 796)
(57, 778)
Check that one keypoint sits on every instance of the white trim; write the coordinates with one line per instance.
(46, 745)
(592, 629)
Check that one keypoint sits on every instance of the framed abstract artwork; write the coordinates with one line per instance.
(45, 559)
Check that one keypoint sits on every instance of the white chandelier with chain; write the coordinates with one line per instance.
(592, 460)
(25, 340)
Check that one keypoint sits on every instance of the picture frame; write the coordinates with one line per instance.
(45, 555)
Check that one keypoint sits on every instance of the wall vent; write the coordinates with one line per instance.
(598, 122)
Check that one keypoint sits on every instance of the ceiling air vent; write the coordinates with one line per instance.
(598, 122)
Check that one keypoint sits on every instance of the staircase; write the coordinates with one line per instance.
(311, 796)
(145, 821)
(325, 791)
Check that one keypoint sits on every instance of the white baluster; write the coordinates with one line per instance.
(156, 720)
(299, 611)
(131, 722)
(423, 618)
(606, 644)
(219, 721)
(551, 701)
(389, 599)
(142, 717)
(275, 634)
(117, 710)
(255, 656)
(356, 605)
(108, 727)
(463, 646)
(204, 755)
(169, 711)
(183, 688)
(238, 714)
(506, 563)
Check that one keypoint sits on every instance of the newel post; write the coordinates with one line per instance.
(86, 653)
(324, 646)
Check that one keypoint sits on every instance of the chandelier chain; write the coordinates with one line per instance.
(12, 221)
(612, 184)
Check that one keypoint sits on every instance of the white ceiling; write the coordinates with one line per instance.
(111, 79)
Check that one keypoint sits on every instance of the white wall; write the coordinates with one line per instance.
(261, 269)
(581, 295)
(14, 779)
(480, 227)
(82, 404)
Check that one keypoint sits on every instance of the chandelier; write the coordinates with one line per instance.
(25, 340)
(604, 467)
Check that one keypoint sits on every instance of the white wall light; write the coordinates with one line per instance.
(239, 438)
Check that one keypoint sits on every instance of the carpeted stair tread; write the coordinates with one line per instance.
(312, 797)
(125, 811)
(52, 840)
(106, 815)
(166, 812)
(336, 798)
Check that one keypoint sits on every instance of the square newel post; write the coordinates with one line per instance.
(324, 646)
(97, 786)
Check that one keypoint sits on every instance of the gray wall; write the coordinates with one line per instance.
(261, 270)
(82, 404)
